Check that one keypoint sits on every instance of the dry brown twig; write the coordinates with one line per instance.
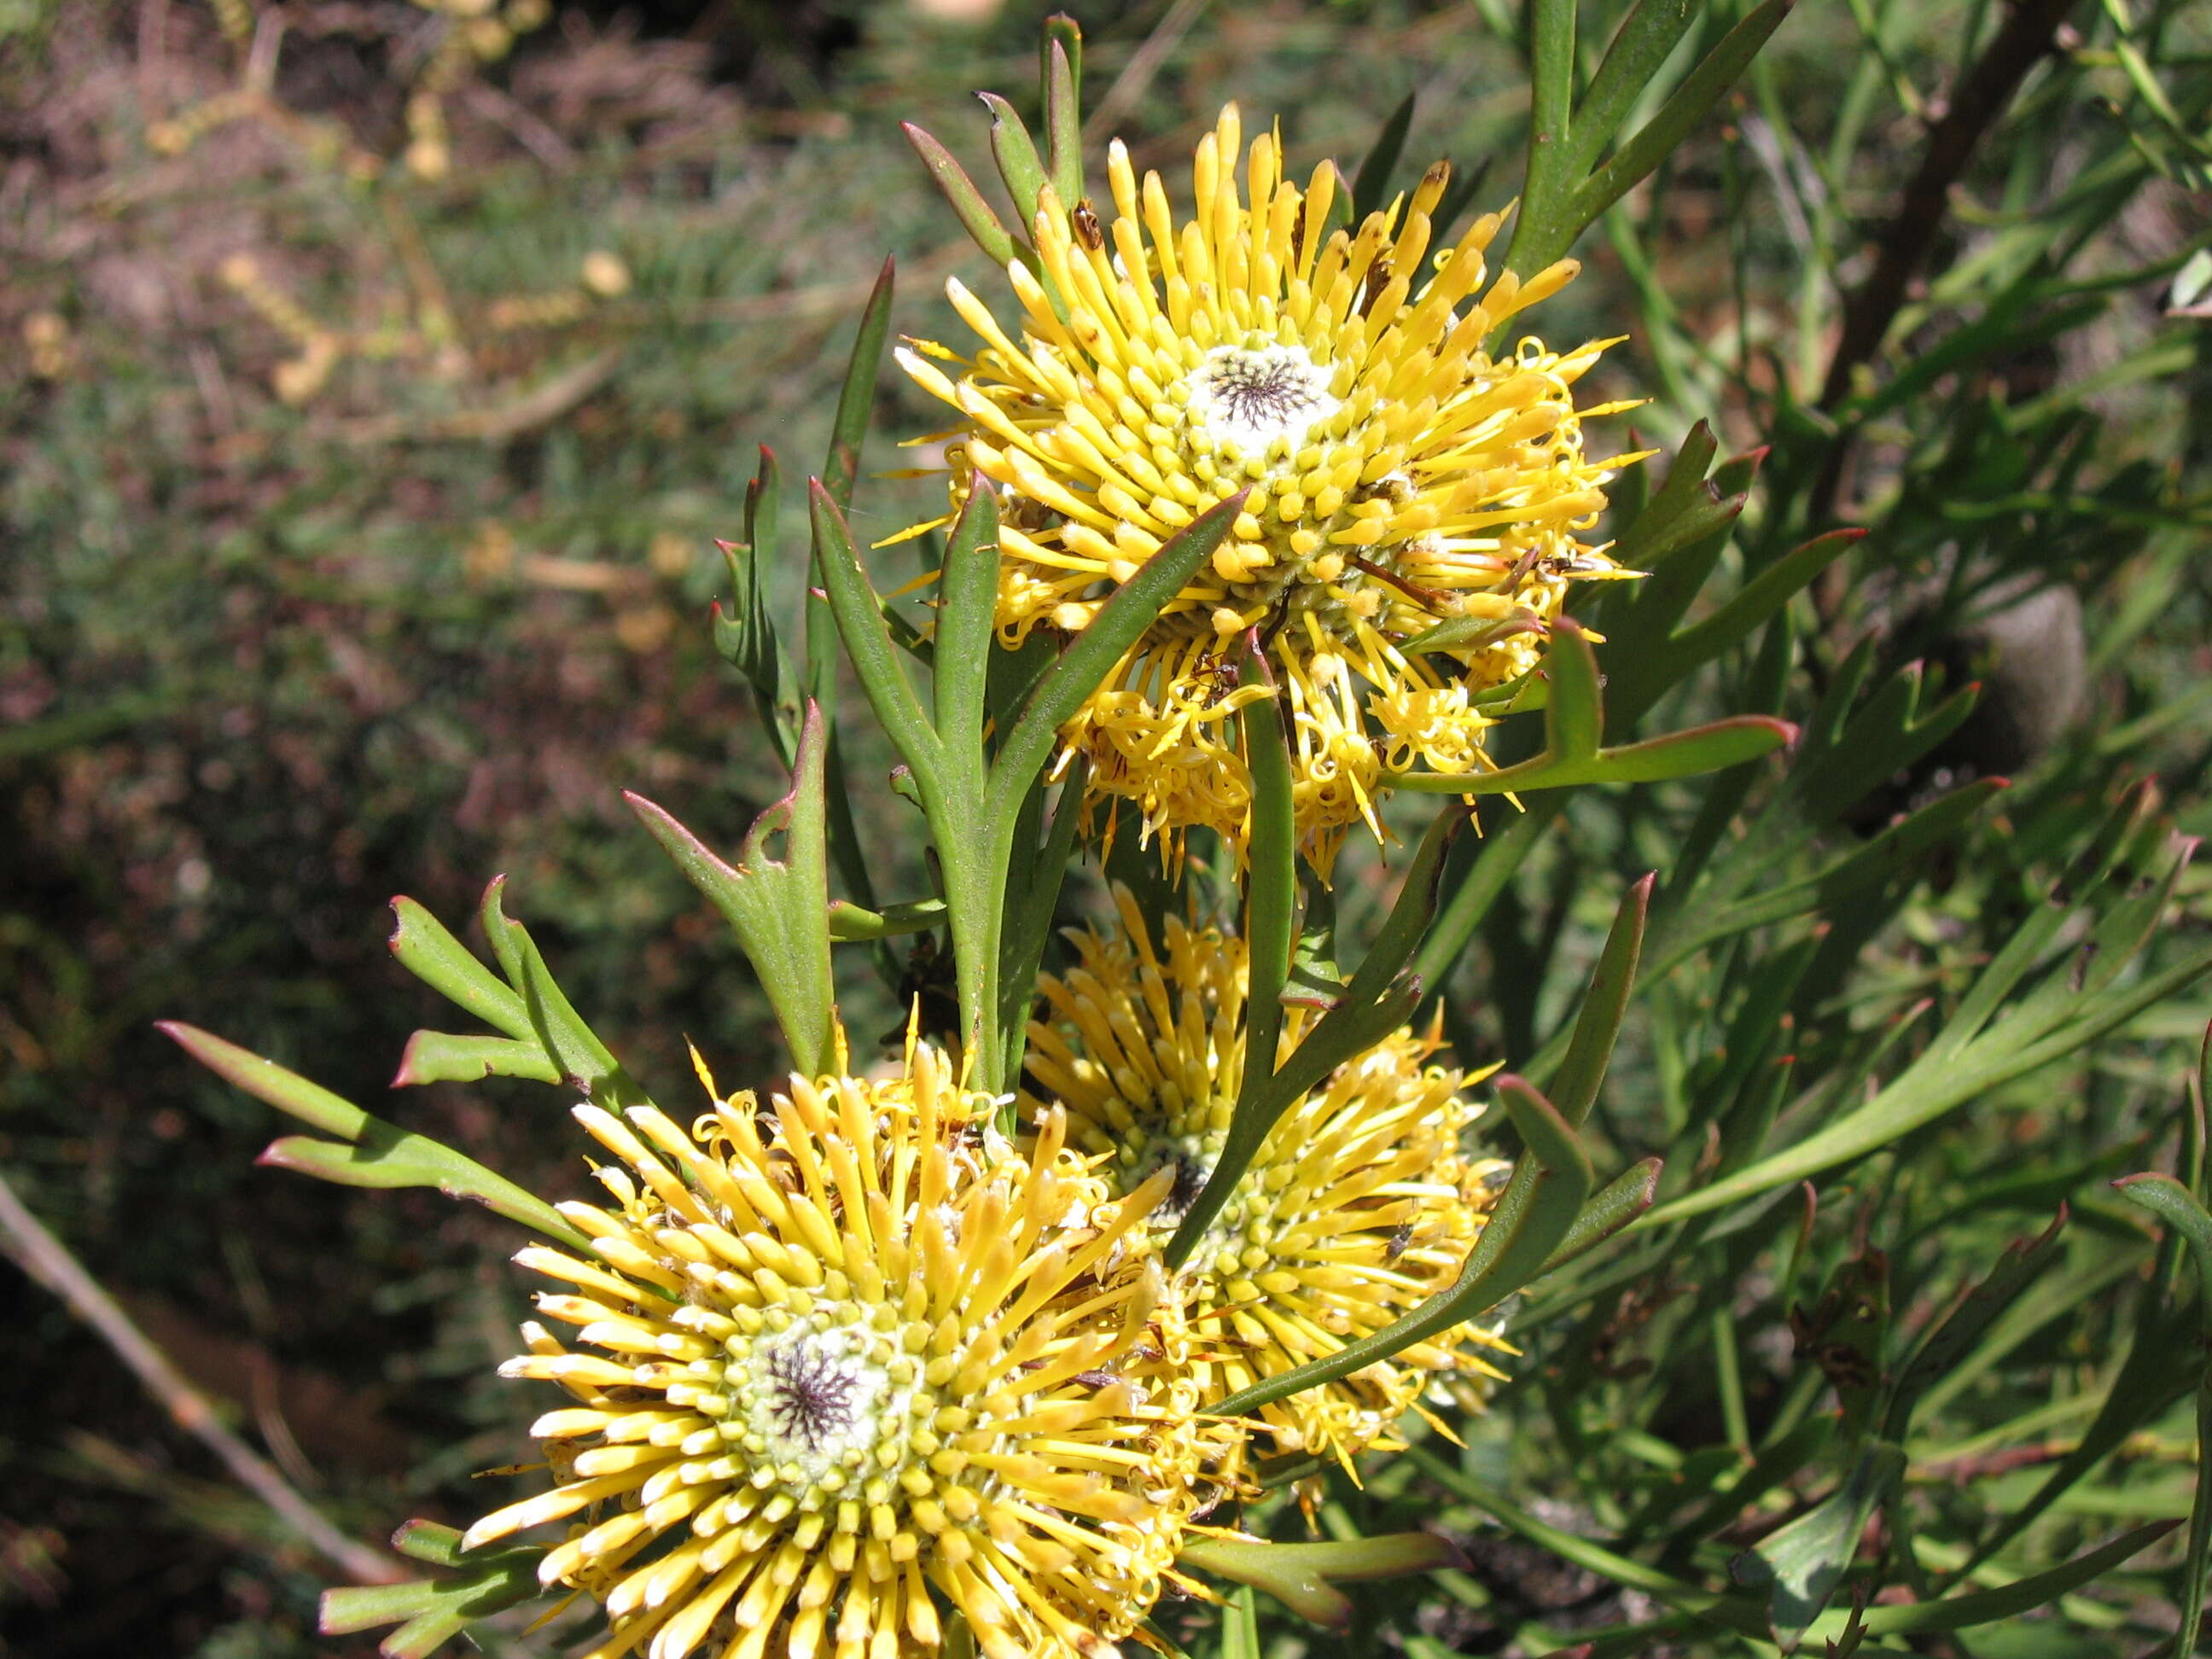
(46, 1259)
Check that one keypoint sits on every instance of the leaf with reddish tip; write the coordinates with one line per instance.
(426, 950)
(778, 908)
(967, 202)
(266, 1080)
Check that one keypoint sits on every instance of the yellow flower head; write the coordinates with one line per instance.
(1359, 1205)
(1401, 475)
(856, 1361)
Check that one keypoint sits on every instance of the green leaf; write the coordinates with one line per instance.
(443, 1057)
(1947, 1341)
(268, 1082)
(427, 1541)
(1801, 1565)
(431, 1612)
(1016, 153)
(1574, 722)
(746, 635)
(380, 1154)
(1095, 653)
(1977, 1051)
(1416, 903)
(967, 595)
(1627, 1196)
(1270, 883)
(1534, 1216)
(1581, 1073)
(1686, 105)
(1370, 189)
(1466, 899)
(1639, 51)
(1649, 666)
(856, 397)
(2175, 1204)
(385, 1156)
(1061, 74)
(967, 202)
(2023, 1595)
(433, 954)
(1299, 1576)
(569, 1042)
(777, 907)
(878, 663)
(848, 922)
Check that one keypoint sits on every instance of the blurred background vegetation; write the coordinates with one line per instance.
(378, 375)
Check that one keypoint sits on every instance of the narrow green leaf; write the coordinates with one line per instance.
(966, 201)
(859, 619)
(778, 908)
(1708, 748)
(746, 635)
(1627, 1196)
(1409, 917)
(2055, 1021)
(443, 1057)
(1686, 106)
(432, 1611)
(268, 1082)
(1639, 51)
(1801, 1565)
(1947, 1341)
(967, 595)
(427, 1541)
(1062, 74)
(1016, 153)
(1297, 1585)
(1029, 925)
(1648, 535)
(1370, 190)
(569, 1041)
(1574, 1086)
(2175, 1204)
(2023, 1595)
(1271, 884)
(433, 954)
(1467, 900)
(1095, 653)
(856, 397)
(387, 1156)
(850, 922)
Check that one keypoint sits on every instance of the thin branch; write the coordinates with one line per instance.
(2029, 32)
(45, 1258)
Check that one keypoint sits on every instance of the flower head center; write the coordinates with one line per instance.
(811, 1392)
(820, 1401)
(1252, 398)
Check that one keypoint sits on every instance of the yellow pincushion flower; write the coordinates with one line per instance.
(1401, 476)
(859, 1362)
(1359, 1205)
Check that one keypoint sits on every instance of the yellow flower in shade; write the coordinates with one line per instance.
(1359, 1205)
(856, 1362)
(1401, 476)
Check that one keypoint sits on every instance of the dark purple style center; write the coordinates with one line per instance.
(1263, 389)
(813, 1397)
